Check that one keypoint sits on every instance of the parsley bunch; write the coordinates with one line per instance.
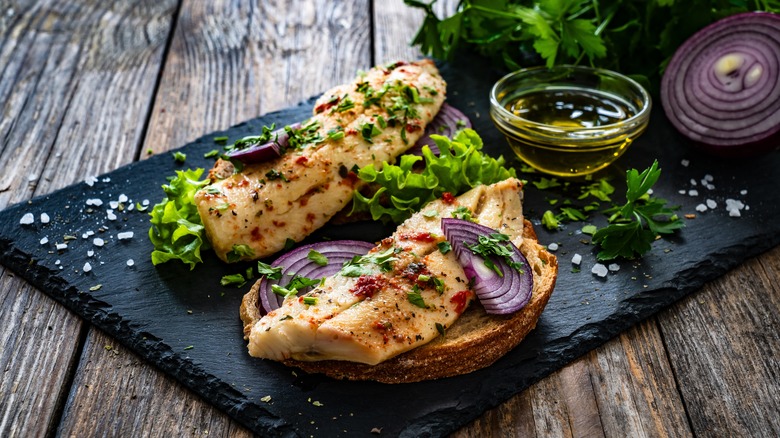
(634, 226)
(631, 36)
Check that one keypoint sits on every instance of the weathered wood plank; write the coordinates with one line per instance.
(724, 343)
(71, 107)
(228, 62)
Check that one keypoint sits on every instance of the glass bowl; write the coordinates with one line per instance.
(569, 120)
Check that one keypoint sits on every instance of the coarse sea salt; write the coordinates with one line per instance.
(552, 247)
(122, 198)
(44, 240)
(614, 267)
(693, 192)
(97, 241)
(685, 163)
(110, 215)
(701, 208)
(87, 267)
(45, 219)
(94, 202)
(125, 235)
(599, 270)
(27, 219)
(711, 204)
(90, 180)
(130, 262)
(90, 253)
(62, 246)
(576, 259)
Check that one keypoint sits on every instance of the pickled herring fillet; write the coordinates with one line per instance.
(372, 120)
(407, 294)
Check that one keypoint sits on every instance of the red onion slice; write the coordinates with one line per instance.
(447, 122)
(296, 262)
(498, 294)
(267, 151)
(721, 88)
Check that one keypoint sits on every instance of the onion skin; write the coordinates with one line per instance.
(296, 262)
(721, 88)
(499, 295)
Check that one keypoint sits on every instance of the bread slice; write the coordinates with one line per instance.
(475, 341)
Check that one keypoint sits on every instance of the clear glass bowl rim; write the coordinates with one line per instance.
(626, 124)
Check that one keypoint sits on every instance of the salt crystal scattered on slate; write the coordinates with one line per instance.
(44, 240)
(27, 219)
(87, 267)
(599, 269)
(125, 235)
(130, 262)
(701, 208)
(614, 267)
(97, 241)
(553, 246)
(576, 259)
(711, 204)
(45, 219)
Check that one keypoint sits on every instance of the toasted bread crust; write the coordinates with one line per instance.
(475, 341)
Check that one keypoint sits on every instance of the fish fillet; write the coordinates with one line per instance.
(392, 307)
(372, 120)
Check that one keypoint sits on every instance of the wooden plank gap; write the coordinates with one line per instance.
(677, 385)
(79, 355)
(157, 81)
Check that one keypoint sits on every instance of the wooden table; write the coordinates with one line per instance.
(87, 86)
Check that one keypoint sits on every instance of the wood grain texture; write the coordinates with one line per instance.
(228, 62)
(232, 61)
(76, 81)
(723, 343)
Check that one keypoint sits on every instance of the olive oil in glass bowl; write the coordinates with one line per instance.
(569, 120)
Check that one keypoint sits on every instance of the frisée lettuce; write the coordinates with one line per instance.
(403, 190)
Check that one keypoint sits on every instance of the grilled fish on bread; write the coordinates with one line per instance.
(368, 327)
(372, 120)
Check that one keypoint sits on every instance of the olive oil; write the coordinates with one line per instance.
(570, 108)
(566, 131)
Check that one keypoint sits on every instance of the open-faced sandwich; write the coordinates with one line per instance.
(456, 287)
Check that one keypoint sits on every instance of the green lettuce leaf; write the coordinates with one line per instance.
(402, 190)
(177, 232)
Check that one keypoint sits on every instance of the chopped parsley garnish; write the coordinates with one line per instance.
(496, 244)
(239, 251)
(317, 258)
(444, 247)
(440, 328)
(274, 174)
(369, 130)
(416, 298)
(336, 134)
(307, 134)
(236, 280)
(269, 271)
(221, 140)
(345, 104)
(310, 301)
(463, 213)
(360, 265)
(179, 157)
(211, 154)
(295, 285)
(266, 136)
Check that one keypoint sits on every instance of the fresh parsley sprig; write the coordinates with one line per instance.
(634, 226)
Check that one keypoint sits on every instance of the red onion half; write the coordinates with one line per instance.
(447, 122)
(296, 262)
(721, 88)
(499, 294)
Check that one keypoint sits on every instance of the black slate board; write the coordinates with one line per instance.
(161, 311)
